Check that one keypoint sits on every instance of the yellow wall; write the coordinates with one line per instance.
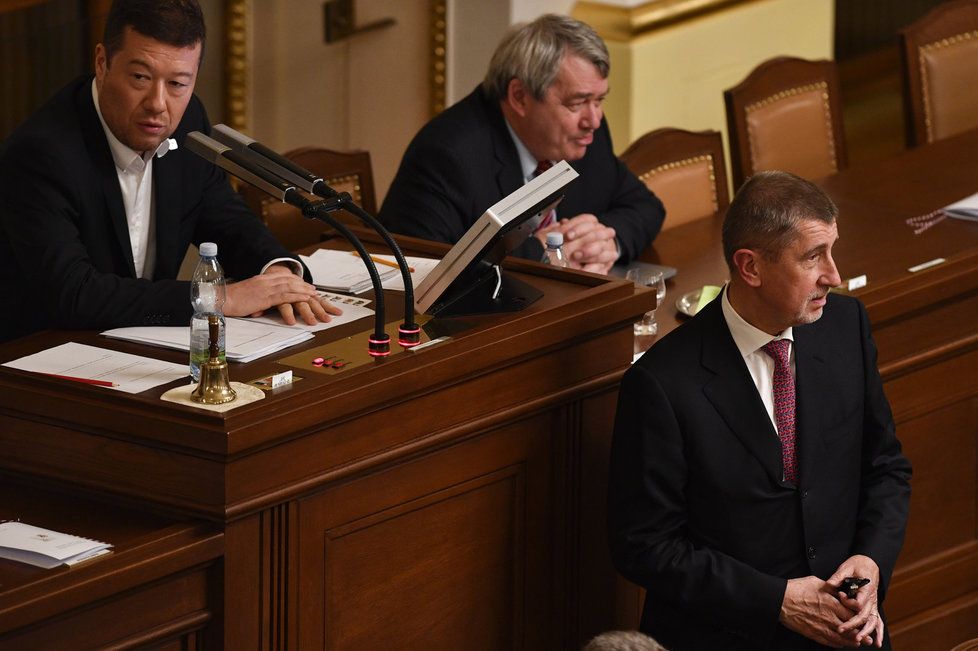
(675, 76)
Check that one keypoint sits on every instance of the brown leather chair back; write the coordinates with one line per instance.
(940, 72)
(786, 115)
(343, 171)
(685, 169)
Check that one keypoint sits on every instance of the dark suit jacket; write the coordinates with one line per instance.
(698, 513)
(464, 161)
(65, 256)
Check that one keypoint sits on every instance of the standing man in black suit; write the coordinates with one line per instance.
(99, 200)
(540, 103)
(754, 464)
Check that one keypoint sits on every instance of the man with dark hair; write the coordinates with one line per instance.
(540, 103)
(99, 201)
(754, 465)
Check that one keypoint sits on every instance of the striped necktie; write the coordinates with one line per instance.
(551, 216)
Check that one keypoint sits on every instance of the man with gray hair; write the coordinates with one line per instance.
(539, 103)
(757, 489)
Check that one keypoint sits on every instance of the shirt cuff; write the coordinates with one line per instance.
(294, 264)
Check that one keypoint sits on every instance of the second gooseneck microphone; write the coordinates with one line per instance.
(409, 333)
(243, 167)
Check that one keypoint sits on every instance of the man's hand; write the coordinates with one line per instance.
(278, 287)
(810, 608)
(588, 244)
(866, 623)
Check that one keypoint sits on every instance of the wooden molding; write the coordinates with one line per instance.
(237, 63)
(625, 23)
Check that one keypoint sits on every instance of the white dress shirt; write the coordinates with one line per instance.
(135, 172)
(750, 341)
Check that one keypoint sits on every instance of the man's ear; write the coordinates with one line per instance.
(746, 263)
(517, 96)
(101, 62)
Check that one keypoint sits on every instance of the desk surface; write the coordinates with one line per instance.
(873, 203)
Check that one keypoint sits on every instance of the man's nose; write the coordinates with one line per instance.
(592, 115)
(155, 98)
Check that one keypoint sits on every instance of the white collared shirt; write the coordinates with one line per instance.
(528, 163)
(135, 172)
(749, 341)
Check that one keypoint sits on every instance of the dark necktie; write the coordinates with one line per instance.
(550, 217)
(784, 404)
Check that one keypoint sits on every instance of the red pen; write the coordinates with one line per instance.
(83, 380)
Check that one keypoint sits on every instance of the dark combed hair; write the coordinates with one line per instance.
(175, 22)
(765, 214)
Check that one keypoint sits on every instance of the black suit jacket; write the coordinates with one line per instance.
(65, 256)
(698, 512)
(464, 161)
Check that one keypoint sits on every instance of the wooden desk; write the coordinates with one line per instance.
(448, 498)
(154, 589)
(926, 327)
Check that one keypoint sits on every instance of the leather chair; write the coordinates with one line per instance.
(685, 169)
(786, 115)
(940, 72)
(343, 171)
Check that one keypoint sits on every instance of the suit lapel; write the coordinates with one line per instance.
(508, 172)
(166, 196)
(101, 156)
(732, 393)
(811, 380)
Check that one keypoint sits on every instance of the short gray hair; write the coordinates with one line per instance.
(765, 214)
(532, 53)
(623, 641)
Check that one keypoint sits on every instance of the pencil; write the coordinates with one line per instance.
(383, 261)
(83, 380)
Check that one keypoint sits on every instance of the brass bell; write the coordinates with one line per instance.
(215, 384)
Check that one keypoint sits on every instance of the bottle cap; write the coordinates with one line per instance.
(208, 249)
(555, 239)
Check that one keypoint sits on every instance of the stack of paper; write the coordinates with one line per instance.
(967, 208)
(46, 548)
(420, 267)
(343, 271)
(245, 339)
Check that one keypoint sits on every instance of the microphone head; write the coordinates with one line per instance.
(204, 146)
(230, 137)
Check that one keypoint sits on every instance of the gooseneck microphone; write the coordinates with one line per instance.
(409, 333)
(243, 167)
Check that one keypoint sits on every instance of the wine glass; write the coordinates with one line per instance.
(653, 279)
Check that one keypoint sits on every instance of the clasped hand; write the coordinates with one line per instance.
(819, 610)
(278, 287)
(588, 244)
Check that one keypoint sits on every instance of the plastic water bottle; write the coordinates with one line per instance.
(555, 250)
(207, 295)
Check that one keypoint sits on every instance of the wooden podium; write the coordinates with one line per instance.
(452, 497)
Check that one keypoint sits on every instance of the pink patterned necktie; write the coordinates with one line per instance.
(550, 217)
(784, 404)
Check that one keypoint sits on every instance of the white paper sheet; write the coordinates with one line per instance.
(131, 373)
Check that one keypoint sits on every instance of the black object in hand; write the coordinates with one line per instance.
(851, 584)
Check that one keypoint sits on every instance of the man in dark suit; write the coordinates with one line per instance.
(99, 200)
(540, 103)
(754, 463)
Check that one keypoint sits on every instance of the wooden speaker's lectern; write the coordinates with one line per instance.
(447, 498)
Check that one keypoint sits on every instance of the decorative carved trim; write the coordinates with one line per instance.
(439, 46)
(237, 63)
(822, 87)
(624, 23)
(276, 589)
(686, 162)
(950, 41)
